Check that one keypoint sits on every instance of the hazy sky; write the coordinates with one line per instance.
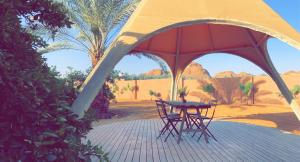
(284, 57)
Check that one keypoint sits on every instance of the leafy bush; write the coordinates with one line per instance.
(182, 92)
(35, 122)
(155, 94)
(246, 88)
(208, 88)
(295, 90)
(127, 76)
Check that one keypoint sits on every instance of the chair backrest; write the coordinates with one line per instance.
(214, 104)
(161, 108)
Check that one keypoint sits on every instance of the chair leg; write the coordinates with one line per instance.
(169, 130)
(164, 129)
(209, 133)
(161, 132)
(173, 128)
(197, 125)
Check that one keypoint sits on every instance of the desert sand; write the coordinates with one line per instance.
(269, 109)
(274, 116)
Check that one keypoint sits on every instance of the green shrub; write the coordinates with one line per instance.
(246, 88)
(208, 88)
(35, 122)
(182, 92)
(295, 90)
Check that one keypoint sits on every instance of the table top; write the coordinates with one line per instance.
(179, 104)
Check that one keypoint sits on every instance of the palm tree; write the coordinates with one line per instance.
(96, 24)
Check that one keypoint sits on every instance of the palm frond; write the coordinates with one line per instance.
(96, 22)
(55, 47)
(159, 61)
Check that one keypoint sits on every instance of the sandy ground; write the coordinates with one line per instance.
(275, 116)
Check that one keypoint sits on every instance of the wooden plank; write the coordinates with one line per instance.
(122, 141)
(143, 148)
(95, 132)
(257, 145)
(135, 146)
(136, 141)
(116, 139)
(232, 147)
(182, 156)
(149, 147)
(188, 152)
(167, 150)
(241, 148)
(131, 140)
(225, 153)
(153, 146)
(159, 150)
(265, 142)
(248, 146)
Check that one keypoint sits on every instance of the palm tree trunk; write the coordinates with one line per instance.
(101, 102)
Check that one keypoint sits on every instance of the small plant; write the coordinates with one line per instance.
(295, 90)
(246, 89)
(151, 93)
(155, 94)
(182, 92)
(209, 88)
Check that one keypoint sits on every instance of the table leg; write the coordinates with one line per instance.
(182, 124)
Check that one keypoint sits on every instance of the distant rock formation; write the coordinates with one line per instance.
(291, 73)
(244, 74)
(154, 72)
(231, 74)
(196, 71)
(226, 74)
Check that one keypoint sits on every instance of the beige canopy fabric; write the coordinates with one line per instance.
(191, 42)
(180, 31)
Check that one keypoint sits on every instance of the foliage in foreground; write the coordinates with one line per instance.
(35, 122)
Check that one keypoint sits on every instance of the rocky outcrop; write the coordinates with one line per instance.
(291, 73)
(154, 72)
(226, 74)
(231, 74)
(196, 71)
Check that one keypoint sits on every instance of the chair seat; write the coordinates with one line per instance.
(173, 116)
(196, 116)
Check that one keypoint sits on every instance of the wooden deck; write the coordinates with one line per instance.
(136, 141)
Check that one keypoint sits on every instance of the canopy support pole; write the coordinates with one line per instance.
(175, 73)
(94, 82)
(282, 85)
(276, 76)
(174, 88)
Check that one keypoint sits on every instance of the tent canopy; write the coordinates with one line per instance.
(193, 41)
(179, 31)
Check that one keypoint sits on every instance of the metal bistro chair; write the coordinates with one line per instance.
(170, 120)
(204, 117)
